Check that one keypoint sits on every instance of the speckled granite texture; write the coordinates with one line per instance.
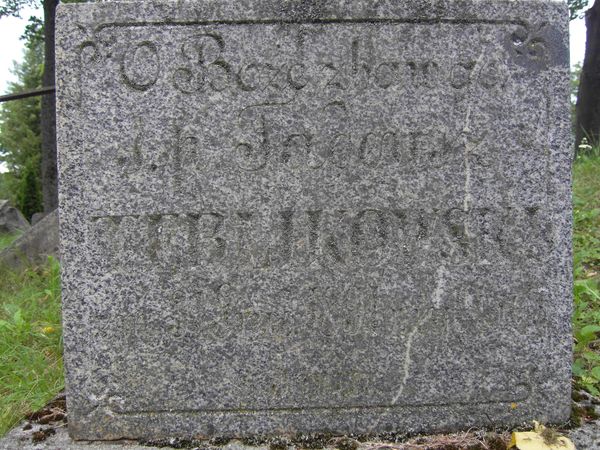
(343, 216)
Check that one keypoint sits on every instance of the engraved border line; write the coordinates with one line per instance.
(333, 21)
(341, 21)
(520, 398)
(322, 408)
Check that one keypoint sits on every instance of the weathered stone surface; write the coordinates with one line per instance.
(35, 245)
(11, 219)
(586, 436)
(37, 217)
(306, 216)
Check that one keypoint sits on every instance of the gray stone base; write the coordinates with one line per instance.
(586, 437)
(22, 439)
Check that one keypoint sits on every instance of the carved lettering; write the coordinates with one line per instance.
(202, 64)
(328, 237)
(140, 67)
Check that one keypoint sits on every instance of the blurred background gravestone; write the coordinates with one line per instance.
(35, 245)
(11, 219)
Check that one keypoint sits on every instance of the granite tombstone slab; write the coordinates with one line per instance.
(303, 216)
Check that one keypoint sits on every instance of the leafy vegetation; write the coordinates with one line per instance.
(586, 263)
(6, 240)
(4, 192)
(576, 7)
(12, 7)
(31, 370)
(20, 141)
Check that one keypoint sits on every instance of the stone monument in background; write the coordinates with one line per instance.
(341, 216)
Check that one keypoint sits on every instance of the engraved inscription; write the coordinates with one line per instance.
(202, 62)
(140, 67)
(330, 238)
(528, 42)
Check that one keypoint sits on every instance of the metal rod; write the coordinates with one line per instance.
(31, 93)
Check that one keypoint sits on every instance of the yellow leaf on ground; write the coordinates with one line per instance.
(541, 438)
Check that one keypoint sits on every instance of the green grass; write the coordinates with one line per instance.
(586, 270)
(7, 239)
(31, 370)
